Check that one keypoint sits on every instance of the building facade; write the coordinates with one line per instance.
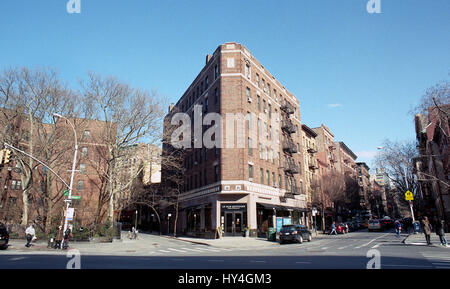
(255, 170)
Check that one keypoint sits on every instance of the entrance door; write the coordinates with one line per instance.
(233, 223)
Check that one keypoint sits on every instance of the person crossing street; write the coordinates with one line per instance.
(333, 229)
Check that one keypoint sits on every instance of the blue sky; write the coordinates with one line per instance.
(358, 73)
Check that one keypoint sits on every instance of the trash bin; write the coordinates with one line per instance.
(416, 227)
(272, 234)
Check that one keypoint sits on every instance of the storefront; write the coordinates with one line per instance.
(233, 219)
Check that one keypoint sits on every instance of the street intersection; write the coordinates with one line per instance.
(355, 250)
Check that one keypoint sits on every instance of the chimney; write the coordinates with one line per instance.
(171, 107)
(208, 58)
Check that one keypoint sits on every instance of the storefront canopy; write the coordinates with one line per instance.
(281, 208)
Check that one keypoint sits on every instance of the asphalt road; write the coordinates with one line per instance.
(351, 251)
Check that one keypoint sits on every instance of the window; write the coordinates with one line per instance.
(87, 134)
(259, 103)
(250, 148)
(206, 105)
(268, 177)
(248, 93)
(82, 168)
(260, 151)
(264, 105)
(261, 175)
(274, 180)
(280, 185)
(270, 111)
(206, 83)
(247, 70)
(201, 88)
(250, 171)
(216, 71)
(80, 185)
(257, 80)
(268, 89)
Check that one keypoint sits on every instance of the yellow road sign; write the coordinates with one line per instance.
(409, 196)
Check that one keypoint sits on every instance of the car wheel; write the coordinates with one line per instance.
(281, 242)
(4, 247)
(300, 239)
(309, 238)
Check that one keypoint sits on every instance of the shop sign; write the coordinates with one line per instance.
(234, 207)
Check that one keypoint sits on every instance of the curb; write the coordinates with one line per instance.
(194, 242)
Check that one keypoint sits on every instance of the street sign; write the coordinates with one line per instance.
(65, 192)
(70, 212)
(75, 197)
(409, 196)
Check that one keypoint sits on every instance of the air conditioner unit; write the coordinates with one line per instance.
(226, 188)
(265, 89)
(238, 188)
(249, 99)
(250, 179)
(248, 76)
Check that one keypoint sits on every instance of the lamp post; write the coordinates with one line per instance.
(73, 170)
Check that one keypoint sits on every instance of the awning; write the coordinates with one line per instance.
(281, 208)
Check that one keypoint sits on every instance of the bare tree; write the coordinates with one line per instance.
(395, 159)
(129, 115)
(28, 100)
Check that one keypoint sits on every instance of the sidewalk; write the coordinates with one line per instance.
(232, 242)
(419, 240)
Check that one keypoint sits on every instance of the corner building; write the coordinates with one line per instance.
(261, 177)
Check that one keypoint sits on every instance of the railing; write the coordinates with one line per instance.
(291, 167)
(289, 146)
(312, 150)
(288, 126)
(287, 107)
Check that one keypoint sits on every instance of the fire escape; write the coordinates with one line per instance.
(289, 148)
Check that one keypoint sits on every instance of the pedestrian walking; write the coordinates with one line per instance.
(59, 237)
(440, 225)
(426, 229)
(67, 235)
(30, 234)
(398, 228)
(333, 229)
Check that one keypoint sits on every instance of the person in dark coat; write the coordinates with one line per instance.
(440, 225)
(426, 229)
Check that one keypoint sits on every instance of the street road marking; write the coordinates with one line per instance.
(376, 246)
(324, 248)
(363, 245)
(172, 249)
(195, 250)
(164, 251)
(17, 258)
(257, 261)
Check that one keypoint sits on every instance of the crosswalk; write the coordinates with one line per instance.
(440, 260)
(192, 250)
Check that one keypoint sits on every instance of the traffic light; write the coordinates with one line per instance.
(1, 156)
(7, 156)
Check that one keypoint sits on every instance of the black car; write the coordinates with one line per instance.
(294, 233)
(4, 237)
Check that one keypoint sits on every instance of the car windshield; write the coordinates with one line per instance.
(374, 222)
(288, 228)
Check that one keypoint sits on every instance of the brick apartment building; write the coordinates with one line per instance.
(433, 164)
(364, 185)
(45, 193)
(258, 173)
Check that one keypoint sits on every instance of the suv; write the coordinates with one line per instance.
(294, 233)
(4, 237)
(375, 225)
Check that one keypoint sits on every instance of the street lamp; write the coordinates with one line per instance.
(73, 168)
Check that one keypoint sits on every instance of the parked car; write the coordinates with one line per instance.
(388, 223)
(375, 225)
(294, 233)
(351, 226)
(4, 237)
(341, 229)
